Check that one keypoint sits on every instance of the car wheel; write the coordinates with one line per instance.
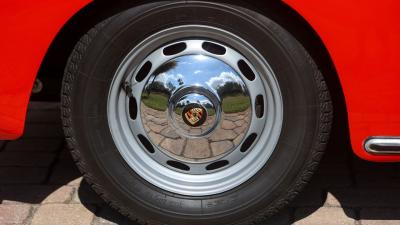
(194, 113)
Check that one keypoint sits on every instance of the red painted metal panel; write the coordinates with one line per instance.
(28, 28)
(363, 39)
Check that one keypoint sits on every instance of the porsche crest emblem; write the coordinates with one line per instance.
(194, 115)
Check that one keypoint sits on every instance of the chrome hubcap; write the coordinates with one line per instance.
(194, 94)
(196, 116)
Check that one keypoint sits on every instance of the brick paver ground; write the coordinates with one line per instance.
(39, 184)
(232, 131)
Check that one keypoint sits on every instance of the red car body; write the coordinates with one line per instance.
(362, 39)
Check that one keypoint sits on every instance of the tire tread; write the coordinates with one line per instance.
(312, 161)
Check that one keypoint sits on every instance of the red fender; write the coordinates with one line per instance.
(362, 38)
(29, 28)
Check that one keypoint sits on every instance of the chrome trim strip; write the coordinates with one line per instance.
(383, 145)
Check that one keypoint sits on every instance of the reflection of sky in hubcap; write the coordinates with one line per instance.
(197, 70)
(186, 81)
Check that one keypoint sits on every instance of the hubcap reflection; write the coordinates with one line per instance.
(203, 103)
(195, 116)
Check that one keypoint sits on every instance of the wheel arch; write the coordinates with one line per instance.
(53, 64)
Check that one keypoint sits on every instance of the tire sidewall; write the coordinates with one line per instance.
(103, 161)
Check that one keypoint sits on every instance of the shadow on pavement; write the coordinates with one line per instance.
(37, 169)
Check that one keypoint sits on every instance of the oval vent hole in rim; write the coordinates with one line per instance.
(246, 70)
(143, 72)
(132, 108)
(248, 142)
(146, 143)
(178, 165)
(174, 49)
(259, 106)
(217, 165)
(214, 48)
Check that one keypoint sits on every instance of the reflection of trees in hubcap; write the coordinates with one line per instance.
(150, 142)
(194, 94)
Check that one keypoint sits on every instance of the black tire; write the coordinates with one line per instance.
(306, 123)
